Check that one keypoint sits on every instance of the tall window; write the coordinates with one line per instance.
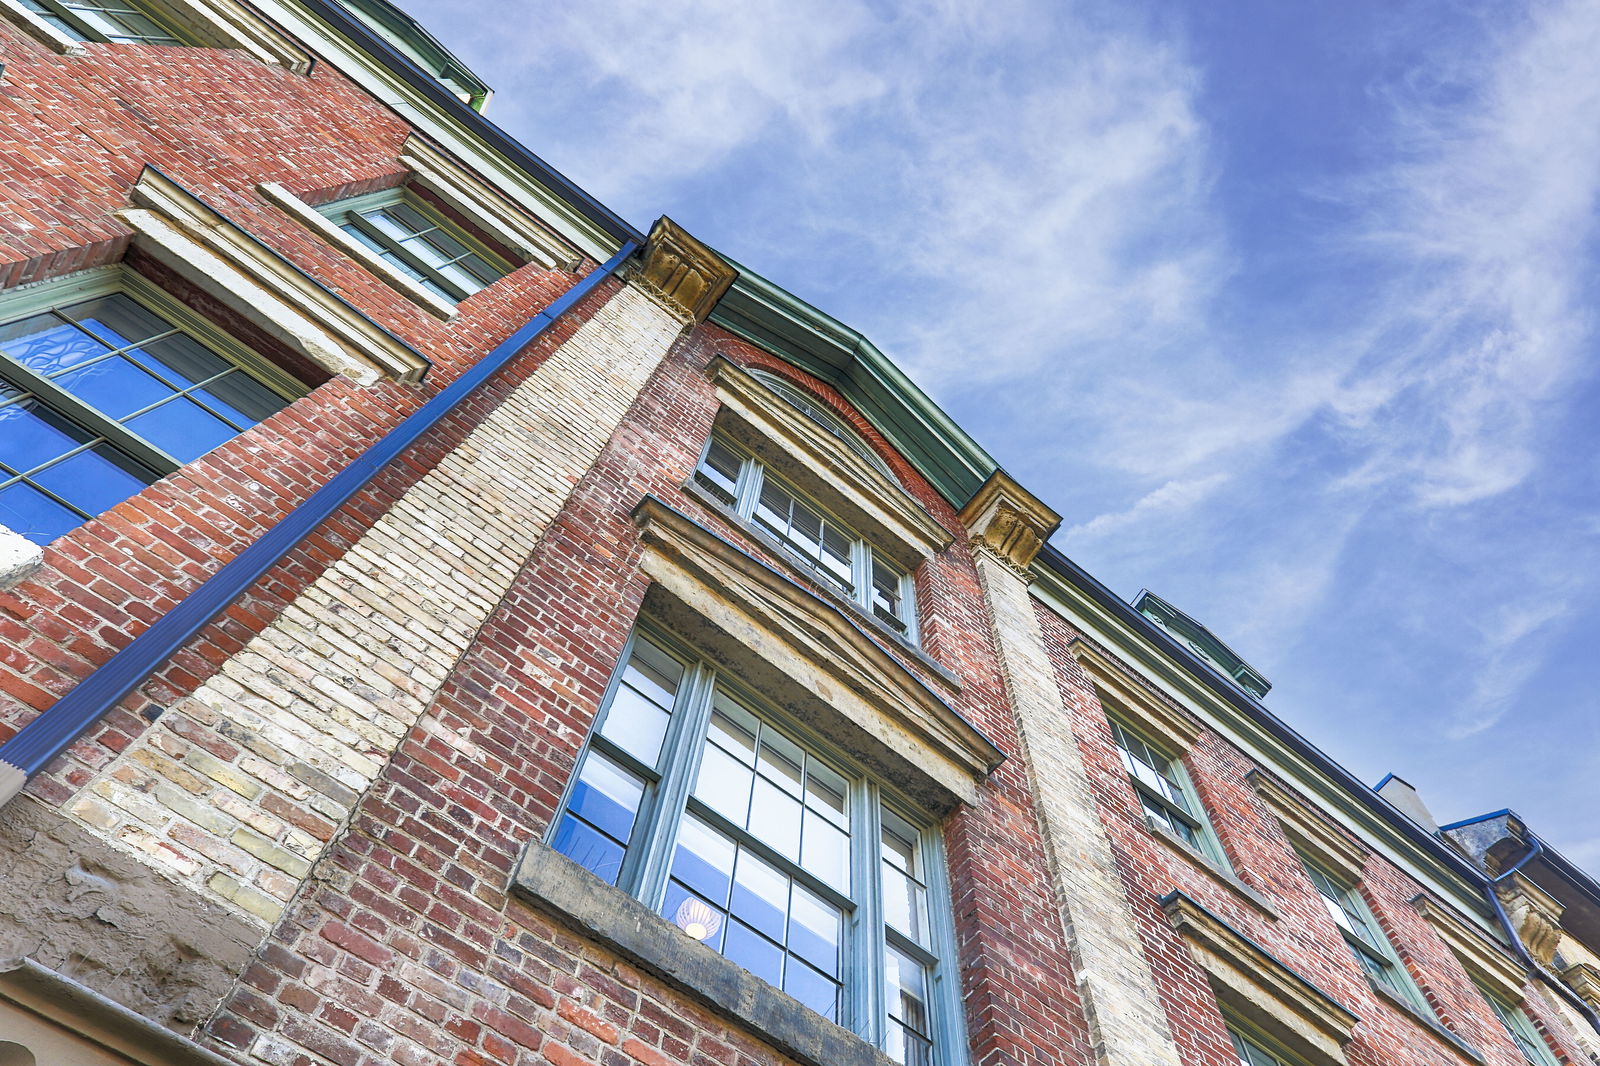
(839, 557)
(773, 851)
(1367, 942)
(100, 397)
(1520, 1028)
(415, 239)
(113, 21)
(1165, 793)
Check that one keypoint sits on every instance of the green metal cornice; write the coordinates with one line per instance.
(760, 312)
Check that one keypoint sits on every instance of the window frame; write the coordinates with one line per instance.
(1246, 1037)
(865, 557)
(1380, 950)
(1208, 846)
(865, 935)
(63, 19)
(57, 293)
(1519, 1027)
(353, 211)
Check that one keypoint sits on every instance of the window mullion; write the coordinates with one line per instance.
(681, 751)
(54, 396)
(864, 957)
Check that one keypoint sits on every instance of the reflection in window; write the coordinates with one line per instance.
(419, 242)
(745, 835)
(107, 21)
(1164, 794)
(101, 397)
(840, 558)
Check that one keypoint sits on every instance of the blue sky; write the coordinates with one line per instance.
(1287, 307)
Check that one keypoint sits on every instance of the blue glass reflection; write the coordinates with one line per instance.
(588, 848)
(754, 952)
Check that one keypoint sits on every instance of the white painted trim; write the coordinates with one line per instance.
(39, 29)
(483, 205)
(211, 253)
(380, 267)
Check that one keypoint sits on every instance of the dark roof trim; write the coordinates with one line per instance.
(1053, 559)
(493, 137)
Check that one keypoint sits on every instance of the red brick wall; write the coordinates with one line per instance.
(75, 133)
(413, 945)
(1295, 927)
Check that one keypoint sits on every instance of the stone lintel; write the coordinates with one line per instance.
(683, 273)
(1486, 959)
(1008, 521)
(1152, 712)
(1584, 979)
(1251, 983)
(1325, 844)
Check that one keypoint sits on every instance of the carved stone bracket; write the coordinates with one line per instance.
(1584, 980)
(1534, 914)
(1008, 522)
(683, 274)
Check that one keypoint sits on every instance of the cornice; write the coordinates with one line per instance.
(1489, 961)
(1309, 831)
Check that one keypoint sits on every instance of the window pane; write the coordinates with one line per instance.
(182, 429)
(724, 785)
(908, 1011)
(95, 480)
(25, 510)
(905, 902)
(775, 819)
(719, 471)
(815, 990)
(641, 704)
(31, 434)
(825, 851)
(595, 829)
(754, 952)
(814, 930)
(699, 918)
(703, 860)
(47, 345)
(760, 895)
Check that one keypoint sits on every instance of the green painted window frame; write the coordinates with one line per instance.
(742, 494)
(1253, 1049)
(64, 17)
(1181, 805)
(867, 936)
(353, 216)
(1520, 1028)
(1367, 941)
(29, 300)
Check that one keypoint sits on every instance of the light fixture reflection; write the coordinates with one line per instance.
(697, 919)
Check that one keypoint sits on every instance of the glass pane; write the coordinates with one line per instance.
(703, 860)
(814, 930)
(114, 385)
(780, 762)
(754, 952)
(96, 480)
(55, 20)
(825, 851)
(31, 513)
(908, 1013)
(31, 434)
(775, 819)
(699, 918)
(47, 345)
(760, 895)
(724, 785)
(815, 990)
(589, 848)
(825, 792)
(719, 471)
(241, 399)
(607, 797)
(182, 429)
(120, 24)
(117, 320)
(642, 702)
(734, 730)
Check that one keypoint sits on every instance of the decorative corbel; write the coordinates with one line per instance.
(1534, 914)
(1008, 523)
(682, 273)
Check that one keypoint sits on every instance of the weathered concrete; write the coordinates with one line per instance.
(158, 947)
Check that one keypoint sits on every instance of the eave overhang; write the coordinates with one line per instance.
(758, 311)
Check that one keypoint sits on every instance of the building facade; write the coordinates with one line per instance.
(445, 624)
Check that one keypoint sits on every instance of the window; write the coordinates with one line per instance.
(1252, 1053)
(1367, 942)
(112, 21)
(419, 242)
(837, 556)
(108, 389)
(1520, 1028)
(773, 851)
(823, 416)
(1168, 799)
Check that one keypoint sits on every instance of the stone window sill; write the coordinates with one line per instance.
(1222, 877)
(1434, 1029)
(781, 554)
(567, 892)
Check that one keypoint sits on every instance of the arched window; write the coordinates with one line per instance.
(819, 412)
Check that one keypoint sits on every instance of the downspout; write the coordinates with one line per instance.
(42, 739)
(1491, 884)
